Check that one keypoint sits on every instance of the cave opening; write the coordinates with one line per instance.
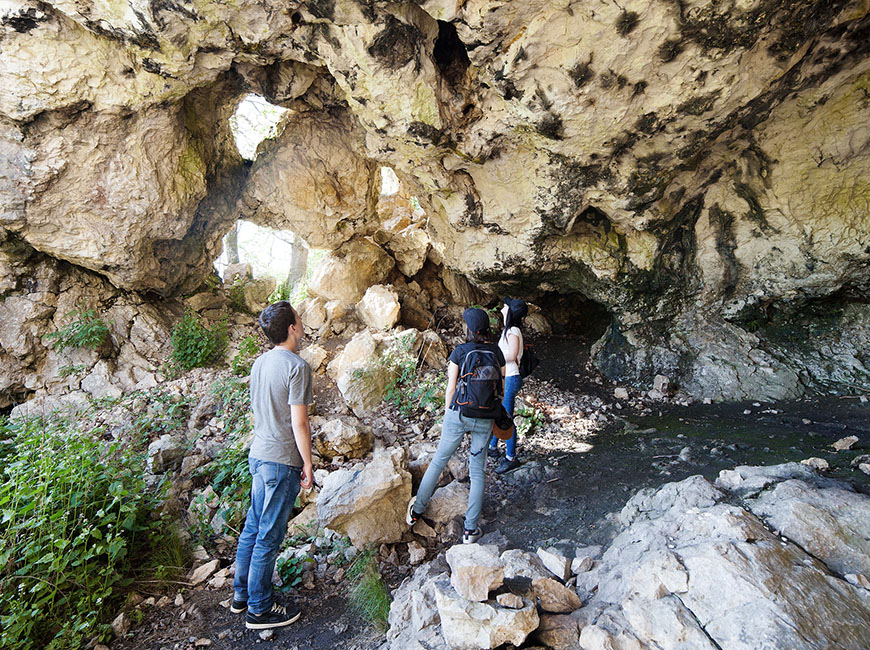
(450, 54)
(255, 120)
(577, 322)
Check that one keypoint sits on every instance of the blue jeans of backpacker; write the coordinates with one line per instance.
(273, 492)
(452, 431)
(512, 385)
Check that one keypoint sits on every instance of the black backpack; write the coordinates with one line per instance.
(529, 361)
(478, 391)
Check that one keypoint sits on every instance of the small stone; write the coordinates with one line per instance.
(620, 393)
(858, 579)
(164, 601)
(818, 464)
(747, 411)
(582, 564)
(226, 603)
(423, 529)
(864, 467)
(121, 625)
(100, 646)
(806, 421)
(149, 602)
(202, 643)
(511, 601)
(267, 634)
(556, 562)
(845, 443)
(179, 600)
(416, 552)
(201, 573)
(707, 400)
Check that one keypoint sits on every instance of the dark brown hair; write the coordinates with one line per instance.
(276, 319)
(483, 336)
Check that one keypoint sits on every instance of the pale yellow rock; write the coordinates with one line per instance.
(346, 273)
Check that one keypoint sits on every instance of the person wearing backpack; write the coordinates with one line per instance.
(511, 344)
(475, 383)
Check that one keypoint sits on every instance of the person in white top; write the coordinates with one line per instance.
(511, 344)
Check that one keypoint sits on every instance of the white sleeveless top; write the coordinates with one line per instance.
(511, 367)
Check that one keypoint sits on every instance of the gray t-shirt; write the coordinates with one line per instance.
(279, 378)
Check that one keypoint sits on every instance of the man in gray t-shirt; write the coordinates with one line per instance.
(280, 464)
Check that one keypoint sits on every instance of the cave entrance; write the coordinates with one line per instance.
(255, 120)
(577, 323)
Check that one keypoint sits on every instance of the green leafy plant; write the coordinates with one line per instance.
(229, 474)
(244, 358)
(165, 412)
(368, 594)
(74, 369)
(412, 390)
(87, 330)
(237, 295)
(281, 292)
(76, 519)
(527, 420)
(196, 346)
(291, 569)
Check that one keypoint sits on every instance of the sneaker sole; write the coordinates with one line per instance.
(238, 610)
(266, 626)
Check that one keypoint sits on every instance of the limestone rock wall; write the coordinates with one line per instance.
(697, 168)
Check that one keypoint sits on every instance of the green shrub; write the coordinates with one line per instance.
(86, 331)
(74, 515)
(368, 594)
(291, 570)
(281, 292)
(237, 295)
(229, 474)
(196, 346)
(165, 413)
(249, 348)
(527, 420)
(412, 390)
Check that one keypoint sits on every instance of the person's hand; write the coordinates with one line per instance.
(307, 476)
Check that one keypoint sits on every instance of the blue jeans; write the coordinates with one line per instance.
(273, 493)
(512, 385)
(452, 431)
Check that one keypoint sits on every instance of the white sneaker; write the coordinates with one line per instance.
(411, 517)
(471, 536)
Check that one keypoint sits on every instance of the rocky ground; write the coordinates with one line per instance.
(585, 455)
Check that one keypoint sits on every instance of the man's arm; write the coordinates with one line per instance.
(452, 376)
(302, 434)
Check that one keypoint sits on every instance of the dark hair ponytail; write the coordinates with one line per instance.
(511, 320)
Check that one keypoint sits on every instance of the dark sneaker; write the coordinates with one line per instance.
(493, 453)
(471, 536)
(278, 616)
(238, 606)
(507, 465)
(411, 517)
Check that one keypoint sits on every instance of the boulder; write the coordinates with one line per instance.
(555, 597)
(447, 503)
(341, 436)
(379, 307)
(475, 570)
(314, 355)
(414, 620)
(470, 625)
(367, 503)
(164, 453)
(520, 564)
(347, 272)
(558, 631)
(557, 561)
(690, 568)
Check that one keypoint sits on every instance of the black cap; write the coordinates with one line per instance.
(476, 319)
(518, 307)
